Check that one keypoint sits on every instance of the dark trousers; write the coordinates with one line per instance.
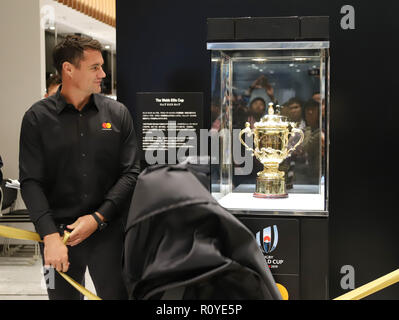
(101, 253)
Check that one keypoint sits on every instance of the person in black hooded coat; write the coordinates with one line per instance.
(179, 239)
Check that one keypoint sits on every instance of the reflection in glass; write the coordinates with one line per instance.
(243, 84)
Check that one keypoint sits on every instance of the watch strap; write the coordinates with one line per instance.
(101, 224)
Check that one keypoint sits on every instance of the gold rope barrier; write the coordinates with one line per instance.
(14, 233)
(356, 294)
(371, 287)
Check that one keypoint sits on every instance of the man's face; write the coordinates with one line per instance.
(258, 107)
(88, 75)
(295, 112)
(317, 97)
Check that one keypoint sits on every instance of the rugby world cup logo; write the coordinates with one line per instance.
(269, 239)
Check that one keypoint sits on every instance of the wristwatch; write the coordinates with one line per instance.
(101, 224)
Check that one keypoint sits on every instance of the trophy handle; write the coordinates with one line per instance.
(296, 130)
(249, 132)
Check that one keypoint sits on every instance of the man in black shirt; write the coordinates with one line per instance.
(78, 169)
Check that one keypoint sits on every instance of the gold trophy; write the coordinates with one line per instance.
(271, 140)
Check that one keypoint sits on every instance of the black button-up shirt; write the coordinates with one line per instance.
(74, 163)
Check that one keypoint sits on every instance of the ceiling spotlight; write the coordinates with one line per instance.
(107, 47)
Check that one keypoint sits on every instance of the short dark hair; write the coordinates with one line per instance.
(53, 80)
(294, 101)
(256, 99)
(71, 50)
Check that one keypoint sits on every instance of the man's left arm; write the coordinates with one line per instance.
(122, 191)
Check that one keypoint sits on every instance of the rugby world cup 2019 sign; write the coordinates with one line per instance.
(279, 241)
(267, 240)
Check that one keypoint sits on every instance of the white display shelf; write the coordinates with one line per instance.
(245, 201)
(295, 202)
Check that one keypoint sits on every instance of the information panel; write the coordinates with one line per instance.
(168, 126)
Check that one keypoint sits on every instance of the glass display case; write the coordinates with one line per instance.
(270, 119)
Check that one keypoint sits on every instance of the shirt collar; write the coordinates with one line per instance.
(60, 102)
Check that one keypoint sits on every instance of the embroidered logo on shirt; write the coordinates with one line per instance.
(106, 126)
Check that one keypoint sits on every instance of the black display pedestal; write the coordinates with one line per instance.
(296, 249)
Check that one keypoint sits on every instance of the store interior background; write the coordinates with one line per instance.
(29, 31)
(161, 46)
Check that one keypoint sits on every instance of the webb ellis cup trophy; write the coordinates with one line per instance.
(272, 145)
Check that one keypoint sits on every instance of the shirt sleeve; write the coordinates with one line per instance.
(31, 176)
(119, 196)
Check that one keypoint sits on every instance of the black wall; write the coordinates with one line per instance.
(161, 46)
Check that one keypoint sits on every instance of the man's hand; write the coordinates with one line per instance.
(270, 92)
(55, 252)
(82, 229)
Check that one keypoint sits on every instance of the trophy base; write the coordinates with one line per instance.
(270, 196)
(270, 188)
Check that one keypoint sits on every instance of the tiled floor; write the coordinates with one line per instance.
(21, 277)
